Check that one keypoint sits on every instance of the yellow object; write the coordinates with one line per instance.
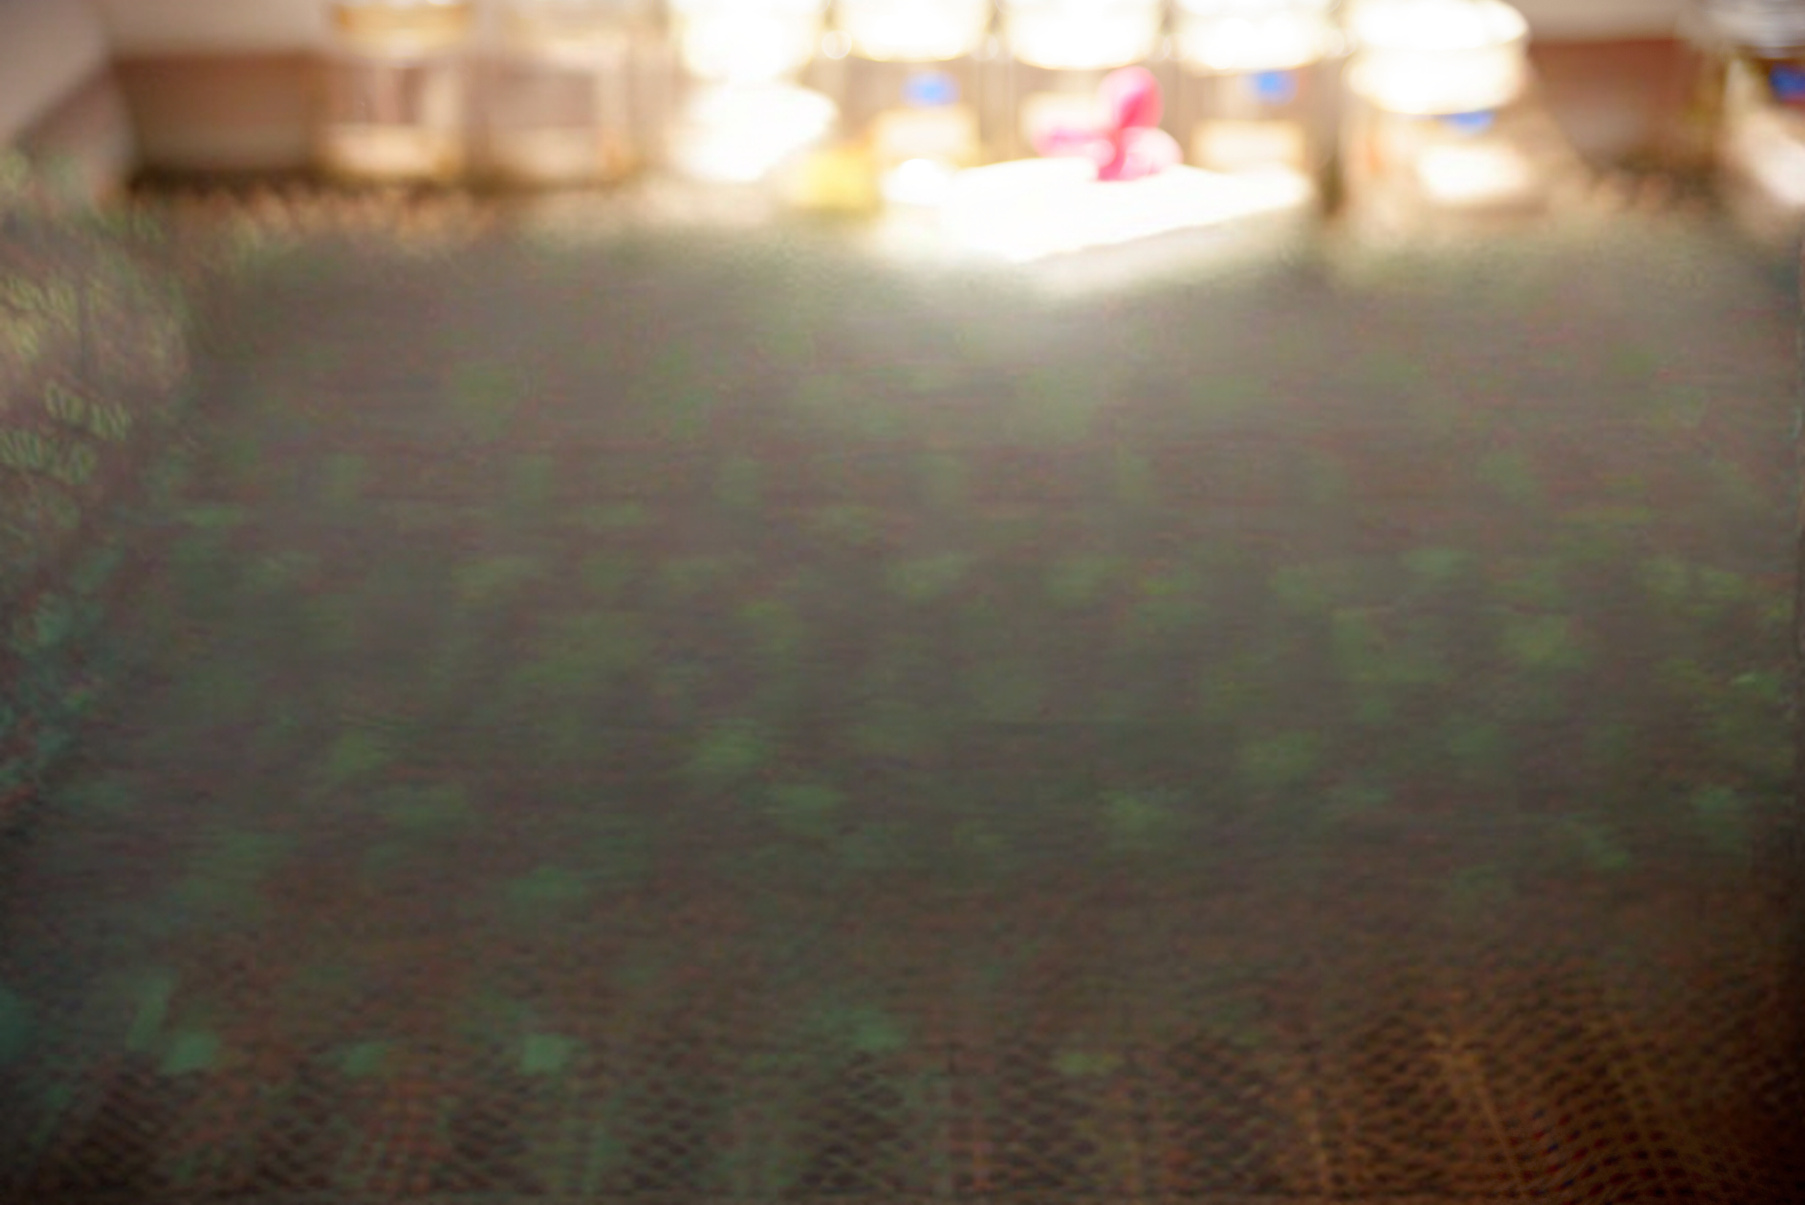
(840, 179)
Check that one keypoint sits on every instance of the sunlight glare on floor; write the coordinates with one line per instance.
(1036, 208)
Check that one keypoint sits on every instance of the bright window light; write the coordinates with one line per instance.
(1431, 57)
(1254, 35)
(1081, 35)
(747, 41)
(916, 31)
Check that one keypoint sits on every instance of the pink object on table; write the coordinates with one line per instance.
(1129, 145)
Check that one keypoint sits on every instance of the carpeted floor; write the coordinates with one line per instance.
(701, 718)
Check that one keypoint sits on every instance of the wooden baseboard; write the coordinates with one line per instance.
(205, 113)
(1616, 101)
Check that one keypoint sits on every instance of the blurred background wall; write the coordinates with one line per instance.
(227, 85)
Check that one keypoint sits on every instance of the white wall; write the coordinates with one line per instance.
(48, 49)
(155, 27)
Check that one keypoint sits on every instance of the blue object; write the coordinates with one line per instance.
(1788, 83)
(1274, 87)
(1471, 123)
(929, 89)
